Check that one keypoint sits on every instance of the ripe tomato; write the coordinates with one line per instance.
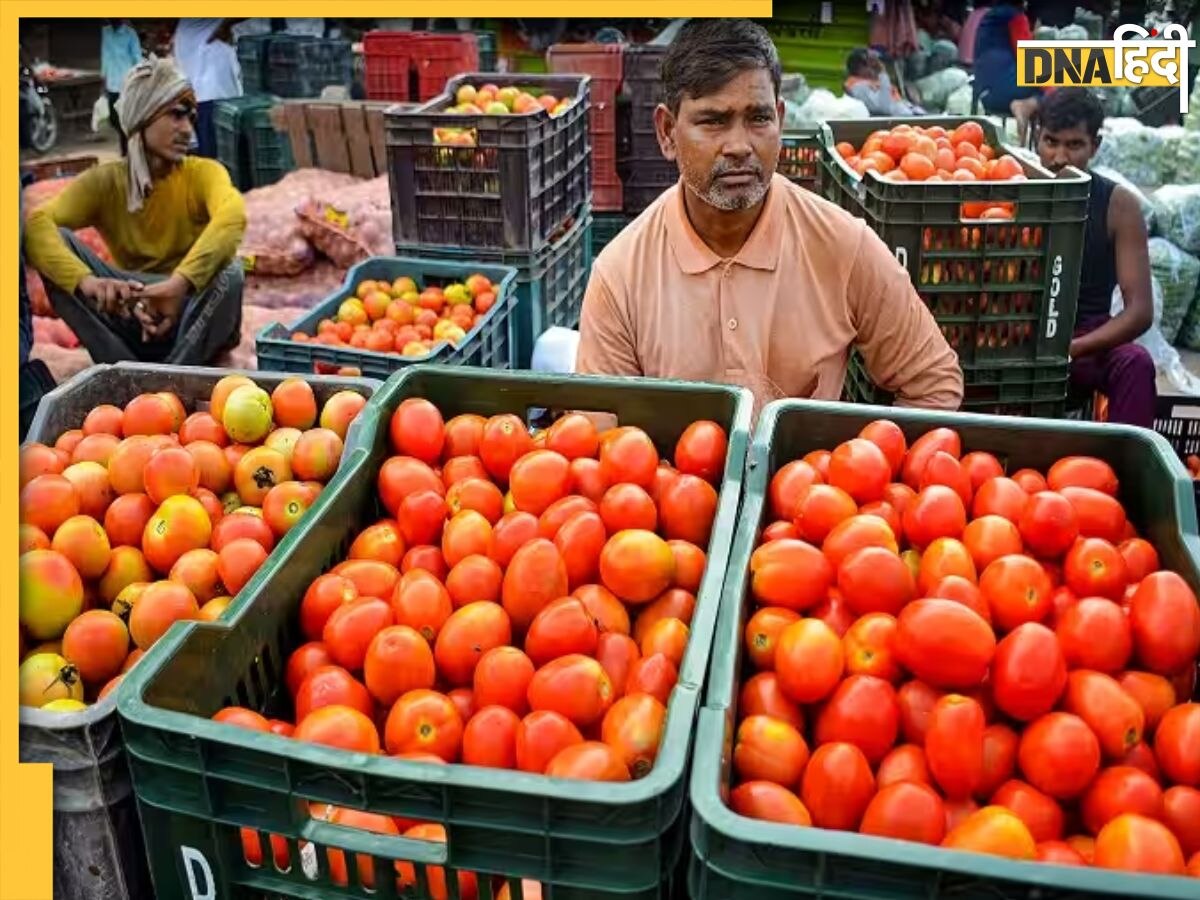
(587, 480)
(627, 506)
(1138, 844)
(908, 811)
(562, 627)
(1095, 634)
(591, 760)
(505, 439)
(575, 686)
(874, 579)
(331, 685)
(999, 758)
(1140, 558)
(469, 633)
(923, 448)
(943, 558)
(1165, 619)
(1095, 568)
(540, 736)
(837, 786)
(512, 532)
(606, 610)
(1059, 755)
(1001, 497)
(490, 738)
(944, 644)
(424, 721)
(937, 511)
(868, 647)
(538, 479)
(574, 436)
(954, 745)
(761, 695)
(1059, 853)
(762, 634)
(701, 450)
(463, 434)
(960, 590)
(475, 577)
(990, 537)
(352, 626)
(401, 476)
(1099, 515)
(478, 494)
(993, 830)
(1029, 672)
(820, 509)
(1120, 789)
(1048, 525)
(417, 430)
(629, 456)
(788, 487)
(770, 802)
(903, 763)
(633, 727)
(654, 675)
(809, 660)
(889, 438)
(689, 565)
(862, 711)
(339, 726)
(1082, 471)
(1115, 717)
(1181, 813)
(856, 533)
(944, 469)
(1017, 589)
(860, 468)
(916, 700)
(1175, 744)
(1040, 813)
(792, 574)
(980, 468)
(406, 877)
(535, 576)
(502, 677)
(777, 530)
(305, 659)
(371, 577)
(398, 660)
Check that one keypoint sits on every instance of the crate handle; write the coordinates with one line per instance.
(422, 853)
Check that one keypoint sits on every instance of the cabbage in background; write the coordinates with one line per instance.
(1178, 272)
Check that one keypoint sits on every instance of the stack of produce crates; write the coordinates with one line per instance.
(270, 150)
(486, 41)
(1004, 291)
(440, 57)
(1178, 420)
(735, 857)
(98, 849)
(605, 227)
(388, 60)
(644, 171)
(206, 790)
(252, 57)
(415, 65)
(800, 157)
(238, 122)
(603, 63)
(509, 190)
(301, 66)
(490, 344)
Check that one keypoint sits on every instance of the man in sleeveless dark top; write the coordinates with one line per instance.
(1104, 356)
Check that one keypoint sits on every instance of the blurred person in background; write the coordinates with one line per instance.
(966, 37)
(995, 64)
(866, 80)
(173, 223)
(204, 51)
(1104, 356)
(736, 275)
(120, 51)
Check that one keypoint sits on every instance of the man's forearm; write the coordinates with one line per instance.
(1123, 328)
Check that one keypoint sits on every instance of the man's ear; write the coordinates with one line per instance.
(664, 128)
(780, 110)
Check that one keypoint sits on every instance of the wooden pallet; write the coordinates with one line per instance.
(336, 135)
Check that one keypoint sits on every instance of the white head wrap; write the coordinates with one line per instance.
(148, 88)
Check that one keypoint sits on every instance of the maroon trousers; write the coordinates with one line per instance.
(1125, 375)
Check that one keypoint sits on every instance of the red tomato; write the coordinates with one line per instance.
(1059, 755)
(1115, 717)
(540, 737)
(1121, 789)
(1165, 618)
(1000, 745)
(903, 763)
(908, 811)
(954, 745)
(1040, 813)
(1175, 744)
(1029, 672)
(837, 786)
(1138, 844)
(944, 644)
(767, 749)
(916, 700)
(1095, 634)
(769, 802)
(1017, 589)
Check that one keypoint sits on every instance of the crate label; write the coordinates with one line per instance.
(336, 217)
(308, 861)
(1055, 290)
(194, 863)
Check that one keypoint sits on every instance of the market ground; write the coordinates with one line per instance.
(104, 147)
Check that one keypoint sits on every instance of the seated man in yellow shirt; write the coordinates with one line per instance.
(173, 224)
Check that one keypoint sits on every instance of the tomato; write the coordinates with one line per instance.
(904, 763)
(468, 886)
(627, 506)
(1095, 568)
(512, 532)
(990, 537)
(478, 494)
(1140, 756)
(381, 541)
(837, 786)
(875, 579)
(1099, 515)
(305, 659)
(960, 590)
(687, 509)
(350, 818)
(770, 802)
(980, 468)
(417, 430)
(535, 576)
(502, 678)
(701, 450)
(587, 480)
(822, 508)
(1138, 844)
(1095, 634)
(792, 574)
(860, 468)
(1000, 745)
(1165, 619)
(868, 647)
(943, 558)
(629, 456)
(1120, 789)
(1175, 744)
(469, 633)
(331, 685)
(1058, 853)
(1181, 813)
(944, 644)
(1059, 755)
(462, 436)
(504, 440)
(834, 612)
(1001, 497)
(633, 727)
(606, 610)
(1140, 558)
(352, 626)
(1048, 525)
(889, 438)
(538, 479)
(371, 577)
(475, 577)
(562, 627)
(809, 660)
(241, 717)
(398, 660)
(762, 634)
(424, 721)
(908, 811)
(591, 760)
(1085, 846)
(944, 469)
(923, 448)
(954, 745)
(540, 736)
(916, 700)
(339, 726)
(489, 738)
(575, 686)
(937, 511)
(993, 830)
(1017, 590)
(788, 487)
(862, 711)
(854, 534)
(1114, 716)
(654, 675)
(1029, 672)
(1082, 471)
(769, 750)
(778, 530)
(421, 602)
(574, 436)
(761, 695)
(400, 476)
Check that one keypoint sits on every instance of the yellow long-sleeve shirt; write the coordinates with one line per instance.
(190, 223)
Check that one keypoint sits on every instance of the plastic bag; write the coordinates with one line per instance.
(936, 89)
(100, 113)
(1178, 273)
(1073, 33)
(960, 101)
(1045, 33)
(1181, 155)
(795, 88)
(1177, 212)
(352, 224)
(1167, 361)
(1144, 202)
(1133, 150)
(821, 106)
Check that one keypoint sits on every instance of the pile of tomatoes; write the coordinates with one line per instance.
(948, 654)
(524, 603)
(398, 317)
(907, 153)
(146, 515)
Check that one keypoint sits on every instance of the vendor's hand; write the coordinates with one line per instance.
(159, 306)
(111, 295)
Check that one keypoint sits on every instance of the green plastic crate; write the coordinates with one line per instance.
(800, 158)
(491, 344)
(1016, 389)
(270, 150)
(198, 782)
(1010, 287)
(734, 857)
(605, 227)
(233, 121)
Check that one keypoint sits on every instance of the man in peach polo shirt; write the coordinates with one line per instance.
(736, 275)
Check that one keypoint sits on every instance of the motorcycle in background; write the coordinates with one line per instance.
(39, 124)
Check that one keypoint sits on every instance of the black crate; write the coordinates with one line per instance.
(299, 66)
(1178, 420)
(270, 150)
(522, 178)
(252, 57)
(232, 123)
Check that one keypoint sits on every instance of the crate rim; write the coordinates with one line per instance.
(582, 87)
(130, 702)
(506, 298)
(51, 721)
(705, 786)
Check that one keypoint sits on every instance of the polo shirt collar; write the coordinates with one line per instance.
(762, 247)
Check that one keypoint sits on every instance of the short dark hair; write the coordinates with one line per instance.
(708, 53)
(857, 59)
(1069, 107)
